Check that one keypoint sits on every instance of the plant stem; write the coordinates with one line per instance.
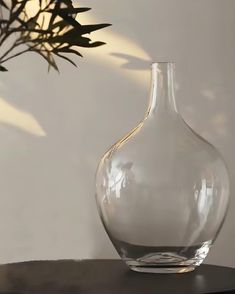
(10, 49)
(10, 32)
(17, 54)
(1, 17)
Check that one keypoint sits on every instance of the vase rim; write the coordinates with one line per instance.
(162, 62)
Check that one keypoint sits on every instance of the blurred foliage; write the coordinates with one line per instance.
(52, 31)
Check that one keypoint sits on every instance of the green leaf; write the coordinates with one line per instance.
(57, 5)
(48, 57)
(16, 14)
(73, 38)
(32, 22)
(39, 31)
(2, 21)
(60, 25)
(86, 29)
(92, 45)
(2, 68)
(68, 11)
(2, 3)
(69, 19)
(51, 62)
(66, 58)
(70, 50)
(68, 3)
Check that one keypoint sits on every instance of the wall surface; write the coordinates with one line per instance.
(54, 128)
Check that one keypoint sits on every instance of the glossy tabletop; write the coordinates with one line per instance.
(108, 276)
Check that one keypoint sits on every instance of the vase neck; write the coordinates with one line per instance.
(162, 90)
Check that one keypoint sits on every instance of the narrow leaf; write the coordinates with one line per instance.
(51, 62)
(2, 68)
(49, 58)
(2, 3)
(16, 14)
(33, 31)
(66, 58)
(60, 25)
(70, 50)
(57, 5)
(92, 45)
(68, 3)
(70, 20)
(69, 11)
(86, 29)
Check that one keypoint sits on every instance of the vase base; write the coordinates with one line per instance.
(162, 270)
(168, 259)
(163, 263)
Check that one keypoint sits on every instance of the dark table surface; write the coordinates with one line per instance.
(108, 277)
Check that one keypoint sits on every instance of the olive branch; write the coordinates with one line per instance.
(52, 31)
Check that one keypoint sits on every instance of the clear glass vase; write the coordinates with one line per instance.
(162, 191)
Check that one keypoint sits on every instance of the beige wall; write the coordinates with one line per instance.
(54, 128)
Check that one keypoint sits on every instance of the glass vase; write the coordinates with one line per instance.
(162, 191)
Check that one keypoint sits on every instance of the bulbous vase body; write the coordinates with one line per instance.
(162, 191)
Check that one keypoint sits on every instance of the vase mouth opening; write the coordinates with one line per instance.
(156, 63)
